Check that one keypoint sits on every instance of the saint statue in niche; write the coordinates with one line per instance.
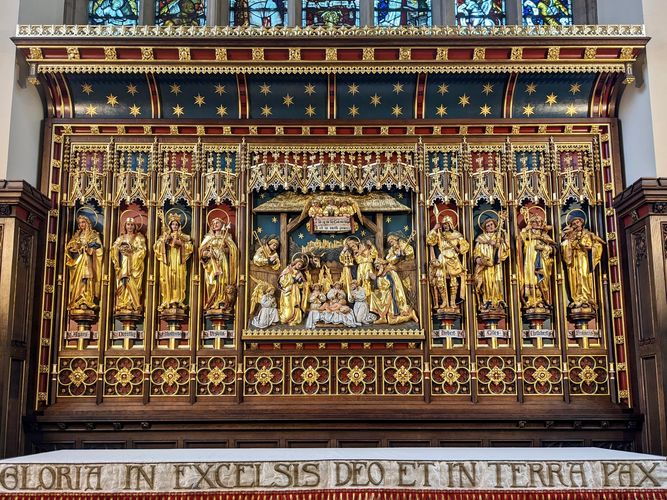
(128, 254)
(491, 250)
(219, 256)
(172, 250)
(83, 257)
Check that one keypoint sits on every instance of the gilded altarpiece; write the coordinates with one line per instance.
(336, 270)
(419, 222)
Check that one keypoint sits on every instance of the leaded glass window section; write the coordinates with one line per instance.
(180, 12)
(266, 13)
(331, 12)
(547, 12)
(480, 12)
(402, 12)
(116, 12)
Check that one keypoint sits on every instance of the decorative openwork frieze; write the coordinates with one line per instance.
(216, 376)
(170, 376)
(220, 177)
(176, 173)
(88, 168)
(450, 375)
(124, 376)
(88, 31)
(531, 168)
(496, 375)
(356, 375)
(589, 375)
(133, 164)
(574, 163)
(316, 375)
(77, 376)
(542, 375)
(350, 168)
(310, 375)
(264, 376)
(402, 375)
(444, 174)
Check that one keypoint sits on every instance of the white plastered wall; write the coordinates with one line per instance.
(21, 112)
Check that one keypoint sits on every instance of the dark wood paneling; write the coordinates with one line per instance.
(652, 402)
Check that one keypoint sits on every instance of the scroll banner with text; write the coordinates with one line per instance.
(288, 474)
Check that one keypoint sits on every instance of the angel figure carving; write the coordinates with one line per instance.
(263, 295)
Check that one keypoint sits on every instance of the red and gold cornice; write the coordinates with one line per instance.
(210, 50)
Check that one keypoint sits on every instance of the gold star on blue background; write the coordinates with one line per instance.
(109, 96)
(552, 96)
(369, 97)
(464, 96)
(190, 97)
(288, 97)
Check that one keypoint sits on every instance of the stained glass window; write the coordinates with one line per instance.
(547, 12)
(180, 12)
(402, 12)
(331, 12)
(480, 12)
(118, 12)
(265, 13)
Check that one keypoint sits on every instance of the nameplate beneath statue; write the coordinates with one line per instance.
(332, 224)
(81, 334)
(217, 334)
(171, 334)
(493, 333)
(538, 334)
(585, 333)
(449, 334)
(127, 334)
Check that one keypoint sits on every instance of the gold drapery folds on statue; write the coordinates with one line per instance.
(491, 250)
(128, 254)
(219, 256)
(581, 251)
(447, 272)
(84, 259)
(537, 269)
(173, 249)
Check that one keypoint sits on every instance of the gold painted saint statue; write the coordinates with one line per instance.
(365, 258)
(537, 262)
(390, 300)
(447, 271)
(267, 254)
(293, 293)
(128, 254)
(346, 258)
(83, 257)
(220, 258)
(399, 250)
(582, 251)
(173, 249)
(491, 250)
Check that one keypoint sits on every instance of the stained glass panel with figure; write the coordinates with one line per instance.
(331, 13)
(180, 12)
(402, 12)
(547, 12)
(266, 13)
(480, 12)
(116, 12)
